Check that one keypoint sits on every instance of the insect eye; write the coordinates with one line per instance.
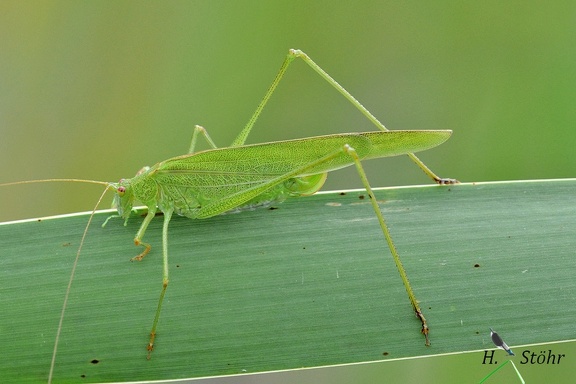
(121, 191)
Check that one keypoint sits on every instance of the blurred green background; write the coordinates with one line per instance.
(98, 89)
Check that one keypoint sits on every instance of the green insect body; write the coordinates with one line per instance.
(208, 183)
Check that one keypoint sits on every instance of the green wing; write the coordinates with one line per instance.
(211, 182)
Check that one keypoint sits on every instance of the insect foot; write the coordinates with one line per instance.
(425, 328)
(147, 249)
(446, 181)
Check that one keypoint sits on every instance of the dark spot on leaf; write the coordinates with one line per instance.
(476, 265)
(342, 193)
(361, 197)
(95, 361)
(83, 376)
(272, 208)
(385, 353)
(39, 220)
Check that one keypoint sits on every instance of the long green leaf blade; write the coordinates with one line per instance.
(308, 284)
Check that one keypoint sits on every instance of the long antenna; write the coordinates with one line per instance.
(68, 289)
(57, 180)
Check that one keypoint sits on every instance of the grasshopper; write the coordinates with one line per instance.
(207, 183)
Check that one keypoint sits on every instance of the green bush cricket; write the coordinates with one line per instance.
(211, 182)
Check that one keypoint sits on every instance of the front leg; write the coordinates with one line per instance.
(140, 234)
